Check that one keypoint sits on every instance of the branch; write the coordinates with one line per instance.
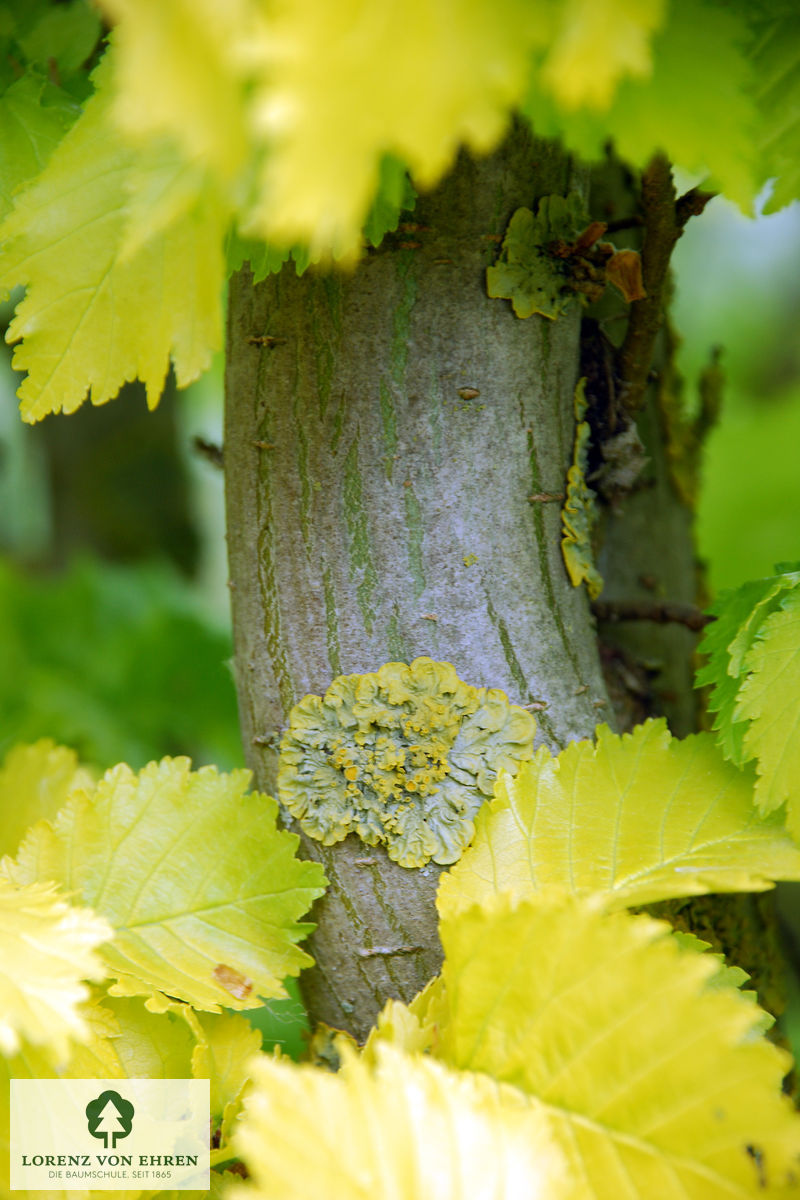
(646, 610)
(664, 221)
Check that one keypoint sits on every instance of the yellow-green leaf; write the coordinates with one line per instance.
(47, 951)
(599, 43)
(126, 1042)
(641, 817)
(343, 84)
(130, 1042)
(769, 699)
(405, 1129)
(202, 889)
(225, 1049)
(181, 71)
(777, 75)
(29, 132)
(412, 1028)
(35, 781)
(656, 1084)
(740, 615)
(314, 95)
(687, 94)
(98, 312)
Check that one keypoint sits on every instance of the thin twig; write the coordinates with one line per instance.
(210, 451)
(647, 610)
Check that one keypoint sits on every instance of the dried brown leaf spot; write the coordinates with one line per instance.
(238, 985)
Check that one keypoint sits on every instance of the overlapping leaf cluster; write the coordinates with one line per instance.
(624, 1058)
(172, 893)
(235, 131)
(567, 1049)
(753, 669)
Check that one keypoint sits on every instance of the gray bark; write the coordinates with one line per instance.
(381, 454)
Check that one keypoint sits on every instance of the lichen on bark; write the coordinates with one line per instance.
(402, 757)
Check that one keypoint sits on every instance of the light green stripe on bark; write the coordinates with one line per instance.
(362, 568)
(389, 422)
(331, 624)
(414, 526)
(305, 484)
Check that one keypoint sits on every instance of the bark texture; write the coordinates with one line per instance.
(393, 439)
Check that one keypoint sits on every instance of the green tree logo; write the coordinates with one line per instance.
(109, 1116)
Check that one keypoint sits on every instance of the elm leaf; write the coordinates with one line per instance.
(48, 948)
(396, 1128)
(638, 818)
(192, 873)
(656, 1082)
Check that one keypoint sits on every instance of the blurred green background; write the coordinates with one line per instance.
(738, 287)
(114, 625)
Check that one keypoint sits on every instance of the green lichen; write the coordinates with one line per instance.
(527, 272)
(403, 757)
(579, 513)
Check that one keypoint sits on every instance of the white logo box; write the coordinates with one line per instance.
(109, 1134)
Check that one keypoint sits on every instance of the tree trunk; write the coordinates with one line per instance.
(390, 435)
(396, 452)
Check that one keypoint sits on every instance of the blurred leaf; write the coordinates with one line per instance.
(130, 1042)
(777, 71)
(406, 1128)
(65, 34)
(656, 1082)
(687, 94)
(47, 950)
(637, 818)
(596, 46)
(202, 889)
(181, 71)
(395, 194)
(35, 782)
(33, 119)
(116, 309)
(327, 98)
(226, 1046)
(118, 662)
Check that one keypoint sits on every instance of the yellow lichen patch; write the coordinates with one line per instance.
(578, 514)
(403, 757)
